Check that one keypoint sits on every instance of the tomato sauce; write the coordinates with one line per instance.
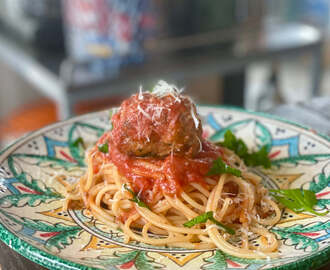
(147, 125)
(169, 175)
(156, 143)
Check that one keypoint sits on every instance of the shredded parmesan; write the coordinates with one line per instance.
(200, 144)
(163, 89)
(140, 97)
(143, 112)
(193, 115)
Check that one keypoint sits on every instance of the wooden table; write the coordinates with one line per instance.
(315, 114)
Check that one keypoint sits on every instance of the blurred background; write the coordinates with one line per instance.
(63, 58)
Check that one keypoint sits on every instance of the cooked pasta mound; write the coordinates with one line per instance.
(149, 177)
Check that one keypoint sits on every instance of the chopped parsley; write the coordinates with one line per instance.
(259, 158)
(204, 218)
(136, 199)
(104, 148)
(78, 142)
(298, 200)
(78, 146)
(219, 167)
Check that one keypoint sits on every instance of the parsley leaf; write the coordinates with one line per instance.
(239, 147)
(205, 217)
(199, 219)
(78, 142)
(223, 227)
(258, 158)
(298, 200)
(104, 148)
(136, 199)
(79, 146)
(219, 167)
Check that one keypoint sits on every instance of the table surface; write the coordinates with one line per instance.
(315, 114)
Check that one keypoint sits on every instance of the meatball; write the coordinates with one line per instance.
(156, 126)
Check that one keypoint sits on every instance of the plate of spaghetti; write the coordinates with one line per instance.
(160, 183)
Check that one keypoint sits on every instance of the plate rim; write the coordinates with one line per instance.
(54, 262)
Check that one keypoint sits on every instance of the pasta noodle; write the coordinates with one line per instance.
(151, 197)
(162, 224)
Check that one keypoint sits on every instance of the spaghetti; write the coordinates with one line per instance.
(151, 194)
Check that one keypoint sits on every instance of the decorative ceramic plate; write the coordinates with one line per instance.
(33, 223)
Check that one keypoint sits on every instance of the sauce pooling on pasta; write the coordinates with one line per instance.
(170, 174)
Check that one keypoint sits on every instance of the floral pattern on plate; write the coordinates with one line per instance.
(33, 223)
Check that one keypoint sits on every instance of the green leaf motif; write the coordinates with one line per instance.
(38, 225)
(75, 150)
(65, 233)
(216, 262)
(48, 227)
(315, 227)
(323, 203)
(118, 259)
(51, 162)
(63, 239)
(141, 260)
(300, 242)
(45, 194)
(33, 200)
(319, 183)
(310, 159)
(263, 135)
(219, 135)
(245, 260)
(33, 184)
(219, 261)
(144, 262)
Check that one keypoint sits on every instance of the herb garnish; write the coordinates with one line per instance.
(79, 146)
(239, 147)
(219, 167)
(136, 199)
(205, 217)
(104, 148)
(78, 142)
(298, 200)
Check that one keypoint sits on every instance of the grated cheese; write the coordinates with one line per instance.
(162, 89)
(143, 112)
(196, 122)
(140, 96)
